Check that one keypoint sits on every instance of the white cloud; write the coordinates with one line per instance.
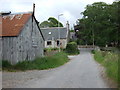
(47, 8)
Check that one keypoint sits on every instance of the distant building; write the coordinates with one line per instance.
(21, 38)
(73, 36)
(77, 28)
(51, 35)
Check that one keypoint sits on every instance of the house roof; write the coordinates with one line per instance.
(52, 33)
(12, 24)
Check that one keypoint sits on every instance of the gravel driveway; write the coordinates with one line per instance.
(80, 72)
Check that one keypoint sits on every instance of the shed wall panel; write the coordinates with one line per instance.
(16, 49)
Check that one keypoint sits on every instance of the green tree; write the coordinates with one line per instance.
(45, 24)
(100, 21)
(51, 22)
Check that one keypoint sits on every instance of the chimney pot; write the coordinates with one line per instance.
(33, 9)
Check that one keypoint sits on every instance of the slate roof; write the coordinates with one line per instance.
(12, 24)
(52, 33)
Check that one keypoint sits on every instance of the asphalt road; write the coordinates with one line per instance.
(80, 72)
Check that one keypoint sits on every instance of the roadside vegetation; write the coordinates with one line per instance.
(52, 59)
(72, 48)
(0, 63)
(39, 63)
(50, 49)
(111, 61)
(100, 22)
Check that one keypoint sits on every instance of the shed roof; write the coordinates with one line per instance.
(12, 24)
(52, 33)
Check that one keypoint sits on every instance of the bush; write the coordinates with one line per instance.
(72, 48)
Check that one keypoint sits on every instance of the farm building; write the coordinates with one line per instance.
(55, 36)
(21, 37)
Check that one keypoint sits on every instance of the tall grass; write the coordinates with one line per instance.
(110, 61)
(0, 65)
(40, 63)
(50, 49)
(119, 70)
(98, 56)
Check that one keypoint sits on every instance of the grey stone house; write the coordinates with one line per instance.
(21, 38)
(52, 35)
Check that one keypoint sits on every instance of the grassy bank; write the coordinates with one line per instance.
(110, 61)
(39, 63)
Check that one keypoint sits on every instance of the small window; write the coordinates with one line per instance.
(49, 43)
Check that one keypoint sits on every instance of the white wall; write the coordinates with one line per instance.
(54, 44)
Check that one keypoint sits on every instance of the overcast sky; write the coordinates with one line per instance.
(44, 9)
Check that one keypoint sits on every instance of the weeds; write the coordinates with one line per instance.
(98, 57)
(110, 61)
(50, 49)
(39, 63)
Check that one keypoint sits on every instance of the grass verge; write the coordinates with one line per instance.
(39, 63)
(110, 61)
(0, 65)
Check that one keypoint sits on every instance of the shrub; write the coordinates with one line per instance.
(72, 48)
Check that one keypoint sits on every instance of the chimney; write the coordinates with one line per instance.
(68, 31)
(67, 25)
(33, 9)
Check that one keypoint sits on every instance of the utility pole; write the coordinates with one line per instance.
(59, 32)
